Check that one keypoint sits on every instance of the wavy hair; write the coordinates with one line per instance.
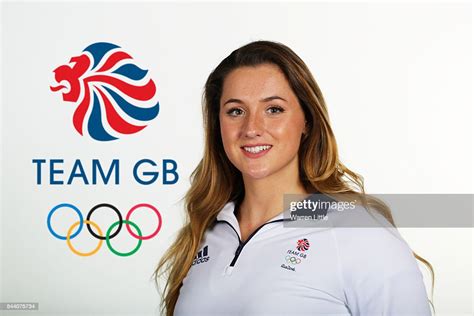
(216, 181)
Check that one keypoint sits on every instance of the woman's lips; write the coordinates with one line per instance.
(256, 151)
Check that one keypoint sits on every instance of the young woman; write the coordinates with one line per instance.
(267, 134)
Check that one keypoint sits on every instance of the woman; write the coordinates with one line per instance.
(268, 135)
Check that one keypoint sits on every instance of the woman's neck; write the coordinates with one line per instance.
(264, 198)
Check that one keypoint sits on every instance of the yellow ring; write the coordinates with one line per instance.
(83, 254)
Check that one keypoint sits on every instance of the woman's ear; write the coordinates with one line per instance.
(304, 133)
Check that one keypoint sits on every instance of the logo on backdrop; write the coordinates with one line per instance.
(108, 235)
(113, 96)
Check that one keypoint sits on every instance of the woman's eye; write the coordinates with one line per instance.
(275, 110)
(235, 112)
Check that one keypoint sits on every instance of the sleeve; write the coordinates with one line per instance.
(379, 273)
(402, 293)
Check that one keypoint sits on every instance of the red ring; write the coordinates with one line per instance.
(130, 213)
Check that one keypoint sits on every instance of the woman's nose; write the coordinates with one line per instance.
(254, 125)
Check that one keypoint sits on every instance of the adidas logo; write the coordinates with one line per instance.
(202, 256)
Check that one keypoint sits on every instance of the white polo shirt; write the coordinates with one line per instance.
(303, 271)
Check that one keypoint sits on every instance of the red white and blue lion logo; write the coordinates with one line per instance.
(113, 95)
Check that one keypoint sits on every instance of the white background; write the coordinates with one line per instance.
(397, 79)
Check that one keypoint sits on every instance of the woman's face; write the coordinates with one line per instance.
(261, 122)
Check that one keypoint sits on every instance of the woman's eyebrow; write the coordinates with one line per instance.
(233, 101)
(273, 97)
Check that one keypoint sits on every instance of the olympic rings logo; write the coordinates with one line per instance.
(108, 235)
(292, 260)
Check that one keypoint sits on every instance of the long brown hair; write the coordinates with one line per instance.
(216, 181)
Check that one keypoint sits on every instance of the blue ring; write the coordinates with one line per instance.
(81, 220)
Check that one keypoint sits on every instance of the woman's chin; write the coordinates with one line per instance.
(256, 174)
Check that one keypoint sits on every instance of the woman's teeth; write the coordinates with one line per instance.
(256, 149)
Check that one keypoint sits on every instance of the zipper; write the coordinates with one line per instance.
(242, 244)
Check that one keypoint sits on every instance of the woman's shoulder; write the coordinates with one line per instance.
(368, 240)
(379, 272)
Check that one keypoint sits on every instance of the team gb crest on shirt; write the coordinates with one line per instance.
(293, 257)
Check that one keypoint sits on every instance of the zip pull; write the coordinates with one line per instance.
(230, 267)
(228, 270)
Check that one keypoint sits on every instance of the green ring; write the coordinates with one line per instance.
(109, 245)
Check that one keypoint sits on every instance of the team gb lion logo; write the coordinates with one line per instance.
(112, 95)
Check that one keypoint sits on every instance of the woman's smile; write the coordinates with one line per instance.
(256, 151)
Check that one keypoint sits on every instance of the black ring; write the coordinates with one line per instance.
(92, 211)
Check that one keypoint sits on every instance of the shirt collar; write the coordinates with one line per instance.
(227, 214)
